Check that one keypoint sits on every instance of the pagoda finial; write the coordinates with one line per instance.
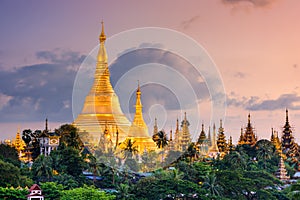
(220, 123)
(286, 115)
(184, 116)
(138, 88)
(46, 125)
(249, 120)
(202, 127)
(171, 135)
(102, 36)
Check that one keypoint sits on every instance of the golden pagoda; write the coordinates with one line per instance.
(275, 141)
(101, 107)
(19, 144)
(248, 138)
(221, 142)
(185, 136)
(138, 131)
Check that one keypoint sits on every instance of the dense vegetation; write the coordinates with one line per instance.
(245, 173)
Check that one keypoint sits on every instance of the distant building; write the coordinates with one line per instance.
(288, 144)
(49, 141)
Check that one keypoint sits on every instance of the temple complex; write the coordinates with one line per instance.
(101, 107)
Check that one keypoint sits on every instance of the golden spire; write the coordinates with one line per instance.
(102, 36)
(249, 119)
(138, 120)
(102, 56)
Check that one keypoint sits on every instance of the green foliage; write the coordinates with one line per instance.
(10, 175)
(163, 184)
(9, 154)
(132, 164)
(69, 136)
(84, 193)
(42, 168)
(51, 190)
(13, 193)
(195, 172)
(70, 161)
(32, 142)
(239, 184)
(68, 181)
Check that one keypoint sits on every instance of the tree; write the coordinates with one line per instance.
(123, 192)
(42, 168)
(211, 185)
(93, 166)
(84, 193)
(265, 151)
(9, 154)
(70, 136)
(52, 190)
(160, 138)
(10, 175)
(70, 162)
(31, 140)
(13, 193)
(129, 148)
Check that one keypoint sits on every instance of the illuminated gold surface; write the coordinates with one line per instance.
(102, 105)
(138, 130)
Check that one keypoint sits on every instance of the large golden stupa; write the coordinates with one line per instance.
(101, 107)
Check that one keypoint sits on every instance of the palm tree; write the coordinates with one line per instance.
(94, 166)
(236, 160)
(42, 168)
(128, 148)
(191, 152)
(211, 185)
(265, 151)
(160, 139)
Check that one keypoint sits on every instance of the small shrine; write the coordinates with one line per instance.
(35, 193)
(282, 173)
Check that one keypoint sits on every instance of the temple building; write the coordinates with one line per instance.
(221, 142)
(288, 144)
(282, 173)
(202, 144)
(49, 141)
(213, 151)
(202, 136)
(248, 137)
(275, 141)
(230, 146)
(184, 138)
(101, 107)
(19, 144)
(171, 145)
(138, 131)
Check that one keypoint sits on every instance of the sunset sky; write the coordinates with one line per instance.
(255, 45)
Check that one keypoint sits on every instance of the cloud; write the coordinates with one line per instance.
(187, 23)
(254, 103)
(4, 99)
(290, 101)
(61, 56)
(240, 75)
(255, 3)
(31, 93)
